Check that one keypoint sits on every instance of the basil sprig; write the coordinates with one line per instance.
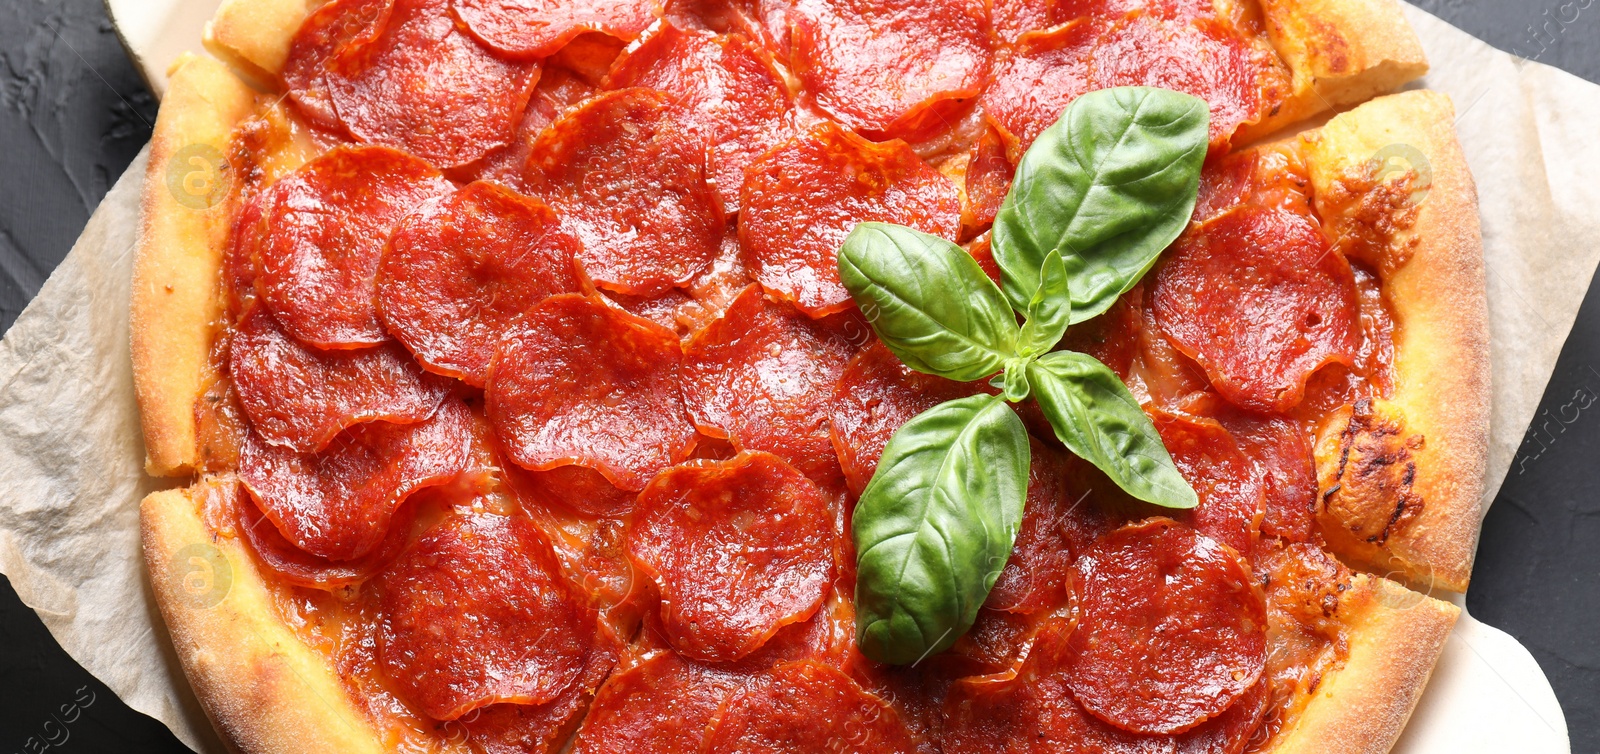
(1095, 201)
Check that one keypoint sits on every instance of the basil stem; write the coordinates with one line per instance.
(935, 526)
(1109, 186)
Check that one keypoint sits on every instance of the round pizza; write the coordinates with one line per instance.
(809, 375)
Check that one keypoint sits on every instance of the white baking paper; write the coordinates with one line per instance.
(72, 472)
(71, 455)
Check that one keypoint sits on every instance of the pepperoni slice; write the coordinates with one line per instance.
(1013, 18)
(1266, 176)
(299, 398)
(1224, 183)
(538, 28)
(583, 382)
(997, 642)
(988, 180)
(628, 176)
(476, 613)
(1282, 449)
(662, 704)
(702, 300)
(1035, 80)
(461, 269)
(705, 298)
(298, 567)
(321, 36)
(1184, 10)
(424, 86)
(1227, 481)
(737, 99)
(875, 396)
(738, 549)
(799, 704)
(579, 489)
(1239, 81)
(801, 199)
(593, 554)
(1057, 526)
(1258, 298)
(557, 91)
(1169, 377)
(1171, 629)
(1231, 731)
(828, 636)
(1032, 711)
(540, 728)
(662, 309)
(337, 503)
(524, 728)
(765, 21)
(763, 376)
(589, 56)
(328, 223)
(239, 271)
(936, 53)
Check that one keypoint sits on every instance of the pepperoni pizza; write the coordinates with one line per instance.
(523, 408)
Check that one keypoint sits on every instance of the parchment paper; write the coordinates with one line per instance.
(71, 455)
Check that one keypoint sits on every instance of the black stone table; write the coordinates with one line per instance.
(73, 113)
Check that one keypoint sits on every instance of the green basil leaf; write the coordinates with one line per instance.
(1109, 185)
(1048, 311)
(935, 526)
(928, 301)
(1096, 417)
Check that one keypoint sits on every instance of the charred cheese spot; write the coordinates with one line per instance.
(1367, 208)
(1303, 585)
(1304, 588)
(271, 145)
(1366, 469)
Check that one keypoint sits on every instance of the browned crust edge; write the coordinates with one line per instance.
(1395, 638)
(184, 228)
(1339, 53)
(1441, 344)
(265, 691)
(253, 36)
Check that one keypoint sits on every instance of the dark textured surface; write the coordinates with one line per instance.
(73, 113)
(1562, 33)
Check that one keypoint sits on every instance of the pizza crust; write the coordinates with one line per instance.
(1433, 278)
(1395, 638)
(265, 691)
(1339, 53)
(254, 35)
(186, 220)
